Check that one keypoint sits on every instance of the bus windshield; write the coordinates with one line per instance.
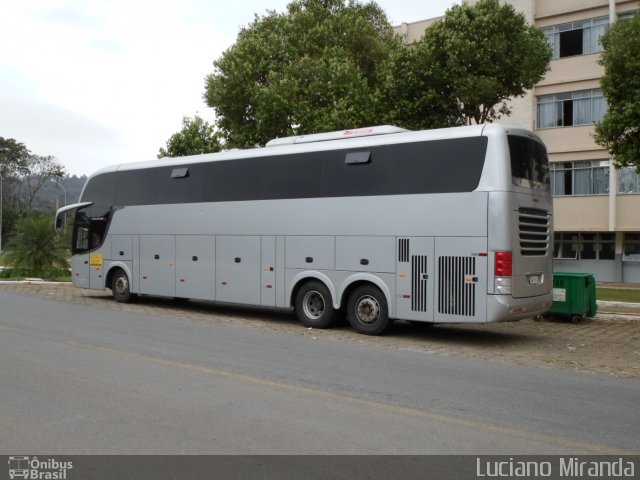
(529, 163)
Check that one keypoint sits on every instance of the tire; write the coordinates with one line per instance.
(314, 306)
(120, 287)
(367, 311)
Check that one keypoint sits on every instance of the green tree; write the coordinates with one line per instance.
(619, 130)
(421, 91)
(34, 174)
(36, 246)
(320, 66)
(13, 156)
(466, 66)
(23, 177)
(197, 136)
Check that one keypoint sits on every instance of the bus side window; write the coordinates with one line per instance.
(98, 230)
(82, 239)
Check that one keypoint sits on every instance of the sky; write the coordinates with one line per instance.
(101, 82)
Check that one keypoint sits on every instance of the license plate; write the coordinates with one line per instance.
(535, 279)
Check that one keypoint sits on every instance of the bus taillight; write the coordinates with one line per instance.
(503, 270)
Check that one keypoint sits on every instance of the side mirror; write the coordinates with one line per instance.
(59, 221)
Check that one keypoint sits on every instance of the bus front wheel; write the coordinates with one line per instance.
(120, 287)
(367, 310)
(314, 307)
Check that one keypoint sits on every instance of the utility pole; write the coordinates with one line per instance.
(58, 187)
(1, 207)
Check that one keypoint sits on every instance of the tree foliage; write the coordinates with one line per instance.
(421, 91)
(12, 156)
(34, 174)
(335, 64)
(619, 130)
(196, 137)
(466, 66)
(320, 66)
(23, 177)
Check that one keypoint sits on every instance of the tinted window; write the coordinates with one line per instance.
(137, 187)
(231, 180)
(290, 176)
(423, 167)
(341, 179)
(100, 190)
(440, 166)
(529, 162)
(185, 187)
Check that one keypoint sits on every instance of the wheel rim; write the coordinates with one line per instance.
(367, 309)
(313, 305)
(121, 285)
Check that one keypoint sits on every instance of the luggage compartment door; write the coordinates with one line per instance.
(195, 266)
(157, 265)
(238, 269)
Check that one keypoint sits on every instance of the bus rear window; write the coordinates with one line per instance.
(529, 163)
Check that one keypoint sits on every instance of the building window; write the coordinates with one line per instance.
(628, 180)
(580, 178)
(576, 38)
(565, 245)
(584, 246)
(627, 15)
(583, 107)
(631, 251)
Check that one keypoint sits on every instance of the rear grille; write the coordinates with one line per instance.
(533, 231)
(457, 286)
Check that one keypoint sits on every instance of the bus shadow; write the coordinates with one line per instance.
(479, 335)
(204, 307)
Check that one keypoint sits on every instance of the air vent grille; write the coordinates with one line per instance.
(403, 250)
(457, 286)
(419, 283)
(533, 231)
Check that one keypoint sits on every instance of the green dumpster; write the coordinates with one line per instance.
(574, 295)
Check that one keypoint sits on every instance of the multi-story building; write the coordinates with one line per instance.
(596, 207)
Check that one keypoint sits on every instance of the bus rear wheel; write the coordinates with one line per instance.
(314, 306)
(367, 311)
(120, 287)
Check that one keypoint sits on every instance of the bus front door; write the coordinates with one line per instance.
(80, 260)
(81, 270)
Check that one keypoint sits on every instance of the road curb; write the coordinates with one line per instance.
(32, 281)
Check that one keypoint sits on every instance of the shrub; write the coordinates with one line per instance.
(35, 246)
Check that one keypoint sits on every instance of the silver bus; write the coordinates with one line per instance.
(442, 226)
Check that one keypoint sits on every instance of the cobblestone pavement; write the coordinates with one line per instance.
(606, 344)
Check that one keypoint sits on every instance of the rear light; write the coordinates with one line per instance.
(504, 264)
(503, 270)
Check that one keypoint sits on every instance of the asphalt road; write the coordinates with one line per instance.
(80, 380)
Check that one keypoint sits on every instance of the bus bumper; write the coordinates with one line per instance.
(505, 308)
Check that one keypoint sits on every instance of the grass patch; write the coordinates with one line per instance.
(50, 274)
(618, 294)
